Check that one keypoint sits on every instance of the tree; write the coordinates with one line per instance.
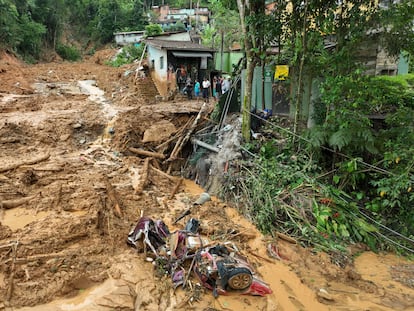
(52, 14)
(18, 31)
(30, 35)
(247, 9)
(153, 29)
(8, 23)
(225, 26)
(397, 27)
(258, 29)
(137, 19)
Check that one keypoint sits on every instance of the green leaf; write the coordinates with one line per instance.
(335, 227)
(344, 231)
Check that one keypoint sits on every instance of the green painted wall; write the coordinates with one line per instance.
(403, 63)
(229, 59)
(310, 93)
(257, 90)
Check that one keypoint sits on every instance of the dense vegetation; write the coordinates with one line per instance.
(71, 27)
(346, 180)
(350, 177)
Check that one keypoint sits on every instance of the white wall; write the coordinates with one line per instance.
(128, 38)
(182, 36)
(156, 54)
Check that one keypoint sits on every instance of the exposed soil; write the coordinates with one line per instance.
(71, 189)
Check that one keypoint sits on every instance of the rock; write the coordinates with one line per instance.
(323, 293)
(144, 298)
(203, 198)
(159, 131)
(202, 171)
(64, 137)
(120, 298)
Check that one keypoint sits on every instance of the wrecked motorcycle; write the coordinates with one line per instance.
(219, 267)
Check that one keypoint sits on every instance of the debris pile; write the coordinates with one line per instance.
(218, 266)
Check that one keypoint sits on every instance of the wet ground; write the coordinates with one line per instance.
(70, 191)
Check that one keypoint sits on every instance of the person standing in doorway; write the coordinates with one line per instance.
(197, 89)
(189, 88)
(206, 89)
(225, 86)
(214, 86)
(218, 88)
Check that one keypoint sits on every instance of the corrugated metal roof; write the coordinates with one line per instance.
(192, 54)
(177, 45)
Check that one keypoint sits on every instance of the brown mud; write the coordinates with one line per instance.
(70, 192)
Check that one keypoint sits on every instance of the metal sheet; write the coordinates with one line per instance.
(192, 54)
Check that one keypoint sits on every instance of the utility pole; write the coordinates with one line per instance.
(196, 15)
(221, 51)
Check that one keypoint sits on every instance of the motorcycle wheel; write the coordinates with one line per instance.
(239, 278)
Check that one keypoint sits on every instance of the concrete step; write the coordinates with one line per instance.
(147, 88)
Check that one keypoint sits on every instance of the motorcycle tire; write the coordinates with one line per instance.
(239, 278)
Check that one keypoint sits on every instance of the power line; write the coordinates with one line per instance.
(377, 223)
(393, 242)
(386, 228)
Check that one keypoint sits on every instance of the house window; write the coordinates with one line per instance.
(162, 62)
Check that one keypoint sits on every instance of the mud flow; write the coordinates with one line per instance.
(86, 151)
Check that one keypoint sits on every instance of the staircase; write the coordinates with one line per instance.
(147, 89)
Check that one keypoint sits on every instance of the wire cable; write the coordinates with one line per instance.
(386, 228)
(393, 242)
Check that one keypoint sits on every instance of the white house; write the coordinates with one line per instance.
(173, 36)
(126, 38)
(171, 62)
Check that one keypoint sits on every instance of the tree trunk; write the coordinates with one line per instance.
(298, 100)
(247, 99)
(247, 96)
(221, 51)
(263, 85)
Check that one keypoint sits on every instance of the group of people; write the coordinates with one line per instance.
(220, 86)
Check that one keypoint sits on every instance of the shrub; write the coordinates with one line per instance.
(127, 55)
(70, 53)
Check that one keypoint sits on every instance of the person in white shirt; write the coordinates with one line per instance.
(206, 89)
(225, 87)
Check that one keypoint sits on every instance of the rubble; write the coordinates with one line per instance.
(218, 266)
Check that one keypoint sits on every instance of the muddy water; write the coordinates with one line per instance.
(84, 301)
(284, 283)
(19, 217)
(97, 95)
(377, 270)
(374, 289)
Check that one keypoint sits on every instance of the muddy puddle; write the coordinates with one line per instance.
(19, 217)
